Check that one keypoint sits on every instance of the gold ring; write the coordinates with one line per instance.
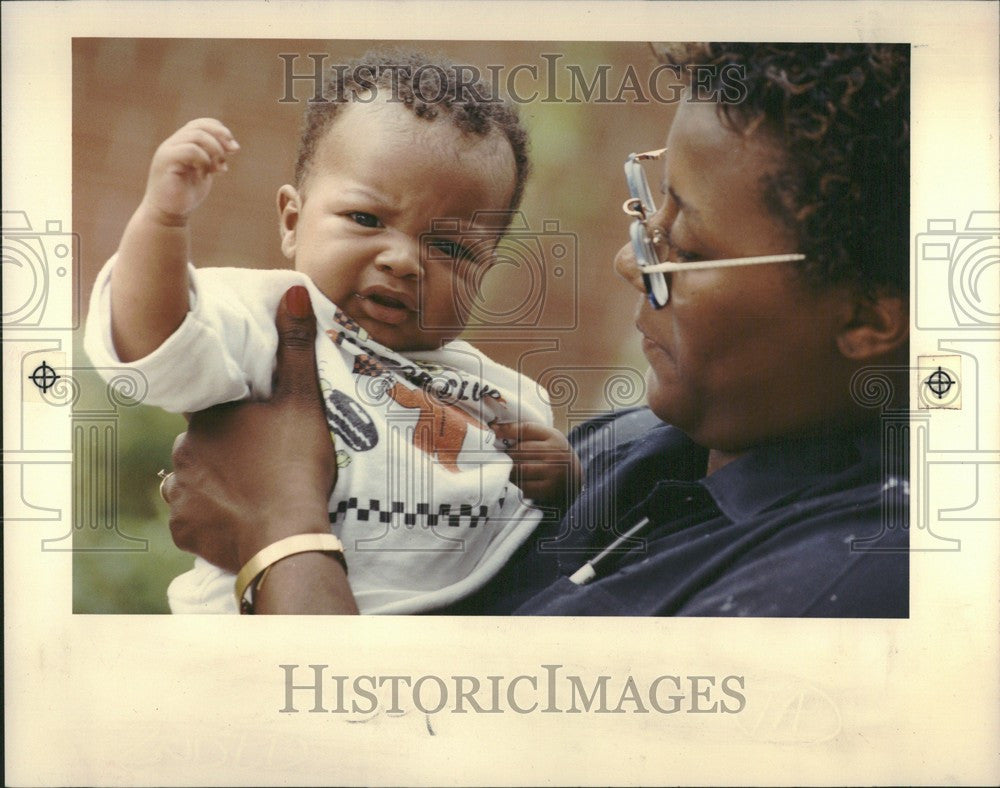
(163, 480)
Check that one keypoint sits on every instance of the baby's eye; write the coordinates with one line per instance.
(365, 219)
(452, 249)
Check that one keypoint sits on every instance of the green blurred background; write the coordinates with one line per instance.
(130, 94)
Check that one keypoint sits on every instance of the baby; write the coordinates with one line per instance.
(397, 208)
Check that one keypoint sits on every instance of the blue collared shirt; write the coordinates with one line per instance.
(809, 527)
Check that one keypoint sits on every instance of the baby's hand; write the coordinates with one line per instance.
(180, 176)
(545, 467)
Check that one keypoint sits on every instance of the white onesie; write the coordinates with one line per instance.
(423, 501)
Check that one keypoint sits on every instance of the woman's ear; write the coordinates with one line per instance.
(289, 205)
(878, 326)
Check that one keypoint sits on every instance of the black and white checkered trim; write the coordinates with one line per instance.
(460, 516)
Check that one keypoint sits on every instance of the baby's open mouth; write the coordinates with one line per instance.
(384, 300)
(381, 306)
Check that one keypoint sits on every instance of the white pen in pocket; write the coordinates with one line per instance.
(588, 571)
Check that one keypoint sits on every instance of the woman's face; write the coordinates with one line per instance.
(738, 355)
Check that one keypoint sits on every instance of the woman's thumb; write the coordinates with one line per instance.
(295, 374)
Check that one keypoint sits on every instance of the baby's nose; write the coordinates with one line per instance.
(400, 257)
(627, 269)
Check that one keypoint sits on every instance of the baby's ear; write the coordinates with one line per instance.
(878, 327)
(289, 204)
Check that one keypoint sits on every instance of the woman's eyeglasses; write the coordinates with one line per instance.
(641, 206)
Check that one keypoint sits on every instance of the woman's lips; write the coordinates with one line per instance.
(648, 345)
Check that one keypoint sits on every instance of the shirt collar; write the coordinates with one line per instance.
(772, 473)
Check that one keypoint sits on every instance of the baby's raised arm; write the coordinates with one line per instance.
(149, 281)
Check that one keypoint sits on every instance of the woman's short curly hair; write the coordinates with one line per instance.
(431, 87)
(841, 113)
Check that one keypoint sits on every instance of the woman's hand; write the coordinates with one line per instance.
(249, 474)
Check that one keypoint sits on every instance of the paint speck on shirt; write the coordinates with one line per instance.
(893, 482)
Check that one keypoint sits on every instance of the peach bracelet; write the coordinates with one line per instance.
(252, 574)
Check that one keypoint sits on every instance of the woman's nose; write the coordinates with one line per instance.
(400, 258)
(627, 269)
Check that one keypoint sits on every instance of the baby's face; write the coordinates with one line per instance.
(380, 178)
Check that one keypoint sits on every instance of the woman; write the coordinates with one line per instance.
(753, 485)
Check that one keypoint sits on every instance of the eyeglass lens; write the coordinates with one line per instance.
(657, 289)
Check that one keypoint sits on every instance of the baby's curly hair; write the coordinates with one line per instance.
(841, 113)
(440, 91)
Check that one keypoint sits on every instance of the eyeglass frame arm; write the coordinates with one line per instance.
(635, 207)
(731, 262)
